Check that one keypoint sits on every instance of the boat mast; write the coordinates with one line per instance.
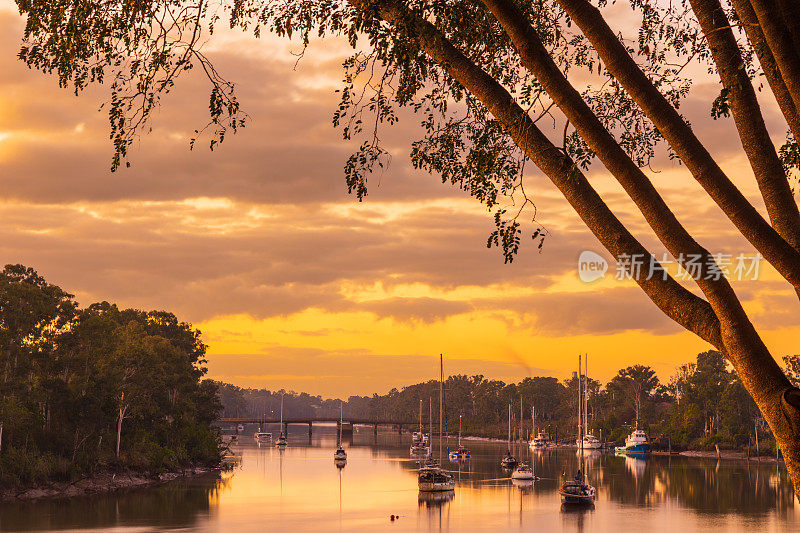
(509, 428)
(580, 432)
(430, 418)
(281, 413)
(586, 397)
(520, 418)
(340, 424)
(441, 402)
(533, 421)
(420, 417)
(459, 431)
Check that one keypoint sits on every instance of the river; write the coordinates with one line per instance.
(300, 489)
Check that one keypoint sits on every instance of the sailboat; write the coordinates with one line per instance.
(578, 491)
(281, 441)
(431, 478)
(419, 441)
(461, 453)
(339, 454)
(589, 441)
(539, 442)
(509, 461)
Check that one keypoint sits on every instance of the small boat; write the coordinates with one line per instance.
(434, 479)
(523, 472)
(636, 442)
(281, 441)
(589, 442)
(460, 454)
(263, 438)
(577, 492)
(240, 428)
(509, 461)
(538, 442)
(340, 454)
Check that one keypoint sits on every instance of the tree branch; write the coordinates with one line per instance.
(768, 169)
(681, 138)
(690, 311)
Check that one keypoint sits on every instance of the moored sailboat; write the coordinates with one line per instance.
(431, 477)
(461, 453)
(340, 454)
(281, 441)
(509, 461)
(578, 491)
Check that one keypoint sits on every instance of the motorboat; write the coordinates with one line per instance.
(459, 454)
(263, 438)
(637, 442)
(524, 472)
(434, 479)
(589, 442)
(240, 428)
(539, 442)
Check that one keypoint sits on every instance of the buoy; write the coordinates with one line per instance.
(391, 518)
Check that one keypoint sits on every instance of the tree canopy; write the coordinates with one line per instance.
(76, 380)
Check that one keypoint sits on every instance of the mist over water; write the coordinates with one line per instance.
(300, 489)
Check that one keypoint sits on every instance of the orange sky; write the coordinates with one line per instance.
(295, 284)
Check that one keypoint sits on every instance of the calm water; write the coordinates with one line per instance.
(300, 489)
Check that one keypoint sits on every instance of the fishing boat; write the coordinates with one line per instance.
(509, 461)
(431, 477)
(339, 454)
(523, 472)
(578, 491)
(460, 454)
(637, 442)
(281, 441)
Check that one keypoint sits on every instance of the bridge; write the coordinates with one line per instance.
(346, 427)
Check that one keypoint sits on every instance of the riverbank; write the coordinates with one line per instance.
(103, 482)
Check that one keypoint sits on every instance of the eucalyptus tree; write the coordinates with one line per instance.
(482, 75)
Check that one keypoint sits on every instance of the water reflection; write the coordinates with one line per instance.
(301, 490)
(180, 504)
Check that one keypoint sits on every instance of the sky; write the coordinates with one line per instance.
(297, 285)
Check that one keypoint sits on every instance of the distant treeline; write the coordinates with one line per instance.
(703, 404)
(96, 388)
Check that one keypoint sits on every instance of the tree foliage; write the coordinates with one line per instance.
(70, 373)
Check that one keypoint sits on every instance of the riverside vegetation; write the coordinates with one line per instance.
(703, 405)
(97, 390)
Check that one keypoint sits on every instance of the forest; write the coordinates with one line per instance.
(702, 405)
(95, 389)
